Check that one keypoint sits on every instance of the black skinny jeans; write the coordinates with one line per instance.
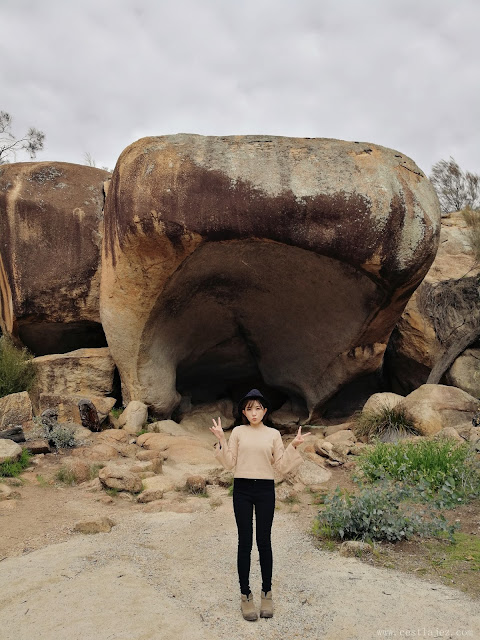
(248, 494)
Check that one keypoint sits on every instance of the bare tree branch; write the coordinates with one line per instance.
(31, 142)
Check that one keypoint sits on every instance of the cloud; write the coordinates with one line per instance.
(95, 76)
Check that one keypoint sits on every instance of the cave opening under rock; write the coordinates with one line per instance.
(45, 338)
(253, 313)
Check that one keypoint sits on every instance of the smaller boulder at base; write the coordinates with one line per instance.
(436, 406)
(119, 478)
(94, 525)
(15, 409)
(9, 450)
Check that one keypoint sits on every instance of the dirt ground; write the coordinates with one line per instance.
(167, 570)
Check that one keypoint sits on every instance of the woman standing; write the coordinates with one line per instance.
(252, 450)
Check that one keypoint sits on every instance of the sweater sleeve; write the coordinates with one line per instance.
(285, 460)
(227, 455)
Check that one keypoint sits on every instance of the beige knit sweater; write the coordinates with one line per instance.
(252, 452)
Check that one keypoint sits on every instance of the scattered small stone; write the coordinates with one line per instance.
(5, 492)
(94, 525)
(117, 477)
(36, 447)
(196, 484)
(355, 548)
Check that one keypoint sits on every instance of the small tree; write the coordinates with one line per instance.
(31, 142)
(456, 189)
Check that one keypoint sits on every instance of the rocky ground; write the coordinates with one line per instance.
(167, 570)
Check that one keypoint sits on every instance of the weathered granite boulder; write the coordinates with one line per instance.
(226, 258)
(465, 372)
(15, 410)
(134, 417)
(117, 477)
(51, 225)
(178, 449)
(9, 450)
(443, 308)
(436, 406)
(80, 372)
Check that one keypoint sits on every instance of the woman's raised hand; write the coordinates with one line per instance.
(299, 438)
(217, 429)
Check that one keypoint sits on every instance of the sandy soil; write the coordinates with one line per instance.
(164, 574)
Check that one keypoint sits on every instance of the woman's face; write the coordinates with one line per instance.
(254, 412)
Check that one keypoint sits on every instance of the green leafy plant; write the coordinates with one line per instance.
(16, 368)
(442, 470)
(13, 468)
(385, 424)
(116, 413)
(377, 513)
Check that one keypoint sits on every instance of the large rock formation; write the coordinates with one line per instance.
(282, 259)
(442, 312)
(50, 226)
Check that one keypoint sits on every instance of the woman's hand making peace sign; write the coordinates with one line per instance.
(217, 430)
(299, 438)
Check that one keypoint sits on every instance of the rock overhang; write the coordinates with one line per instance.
(183, 210)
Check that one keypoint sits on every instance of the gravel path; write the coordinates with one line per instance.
(173, 575)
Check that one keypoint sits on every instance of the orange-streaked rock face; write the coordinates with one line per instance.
(50, 228)
(282, 258)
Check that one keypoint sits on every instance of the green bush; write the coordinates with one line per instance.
(376, 513)
(13, 468)
(439, 470)
(385, 424)
(16, 368)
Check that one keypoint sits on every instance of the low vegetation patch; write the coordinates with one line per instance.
(69, 476)
(13, 468)
(403, 490)
(384, 424)
(377, 514)
(441, 471)
(16, 369)
(59, 436)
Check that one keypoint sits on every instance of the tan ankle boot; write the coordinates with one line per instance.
(266, 606)
(248, 608)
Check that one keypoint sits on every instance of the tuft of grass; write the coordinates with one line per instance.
(16, 368)
(443, 471)
(116, 413)
(43, 482)
(291, 498)
(13, 468)
(113, 493)
(65, 475)
(384, 424)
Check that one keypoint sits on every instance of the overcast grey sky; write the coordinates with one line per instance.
(96, 75)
